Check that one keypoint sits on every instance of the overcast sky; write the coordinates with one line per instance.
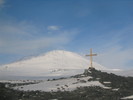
(32, 27)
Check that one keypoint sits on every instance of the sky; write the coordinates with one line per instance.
(34, 27)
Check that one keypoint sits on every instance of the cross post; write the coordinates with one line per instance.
(91, 54)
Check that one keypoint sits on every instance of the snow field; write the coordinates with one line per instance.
(68, 84)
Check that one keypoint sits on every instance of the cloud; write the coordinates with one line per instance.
(83, 13)
(115, 57)
(118, 51)
(2, 2)
(53, 28)
(23, 38)
(28, 46)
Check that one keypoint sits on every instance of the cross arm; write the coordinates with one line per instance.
(92, 55)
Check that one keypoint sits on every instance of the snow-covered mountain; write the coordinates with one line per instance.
(54, 63)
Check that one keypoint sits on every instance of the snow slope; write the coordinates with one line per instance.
(54, 63)
(128, 98)
(68, 84)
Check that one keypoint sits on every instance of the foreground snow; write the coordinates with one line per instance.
(128, 98)
(68, 84)
(20, 81)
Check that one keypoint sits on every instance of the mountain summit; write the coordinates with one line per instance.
(53, 63)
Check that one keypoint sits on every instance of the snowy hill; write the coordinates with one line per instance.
(89, 78)
(90, 85)
(68, 84)
(54, 63)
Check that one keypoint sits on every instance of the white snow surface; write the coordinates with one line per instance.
(68, 84)
(19, 81)
(54, 63)
(107, 82)
(128, 98)
(116, 89)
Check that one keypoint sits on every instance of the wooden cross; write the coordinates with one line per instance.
(91, 57)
